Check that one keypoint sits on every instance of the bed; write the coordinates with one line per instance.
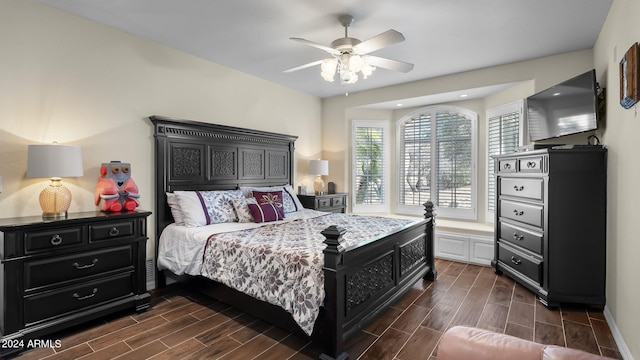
(361, 277)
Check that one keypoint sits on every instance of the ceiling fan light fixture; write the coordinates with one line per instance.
(328, 68)
(367, 70)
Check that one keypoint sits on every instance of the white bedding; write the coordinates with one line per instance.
(181, 248)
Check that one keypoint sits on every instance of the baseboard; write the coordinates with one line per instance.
(617, 336)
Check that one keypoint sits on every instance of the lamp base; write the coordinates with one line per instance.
(318, 185)
(55, 200)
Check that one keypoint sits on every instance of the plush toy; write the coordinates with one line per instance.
(116, 190)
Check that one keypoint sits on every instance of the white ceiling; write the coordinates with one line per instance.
(442, 36)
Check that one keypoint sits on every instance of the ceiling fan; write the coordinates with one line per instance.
(351, 55)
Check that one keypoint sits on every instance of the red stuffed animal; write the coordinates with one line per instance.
(116, 190)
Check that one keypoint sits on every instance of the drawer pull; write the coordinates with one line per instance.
(56, 239)
(515, 261)
(531, 164)
(114, 231)
(518, 188)
(518, 236)
(506, 166)
(518, 212)
(80, 267)
(80, 298)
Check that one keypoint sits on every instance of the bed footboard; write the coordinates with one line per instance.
(364, 281)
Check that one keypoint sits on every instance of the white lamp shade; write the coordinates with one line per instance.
(319, 167)
(49, 161)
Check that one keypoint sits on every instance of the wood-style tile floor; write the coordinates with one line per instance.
(183, 324)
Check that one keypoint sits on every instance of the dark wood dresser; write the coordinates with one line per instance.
(326, 202)
(59, 273)
(550, 226)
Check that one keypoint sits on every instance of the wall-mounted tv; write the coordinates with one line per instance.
(567, 108)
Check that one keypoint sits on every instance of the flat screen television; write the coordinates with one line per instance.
(564, 109)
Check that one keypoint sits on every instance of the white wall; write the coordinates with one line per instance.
(75, 81)
(619, 32)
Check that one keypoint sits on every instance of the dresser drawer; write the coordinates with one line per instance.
(526, 213)
(507, 166)
(323, 203)
(527, 239)
(53, 238)
(54, 270)
(112, 230)
(531, 164)
(337, 201)
(525, 265)
(522, 187)
(52, 303)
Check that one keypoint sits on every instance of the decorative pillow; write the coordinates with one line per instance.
(201, 208)
(290, 201)
(266, 212)
(218, 205)
(269, 197)
(241, 206)
(174, 206)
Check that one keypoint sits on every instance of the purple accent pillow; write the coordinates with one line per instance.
(269, 197)
(266, 212)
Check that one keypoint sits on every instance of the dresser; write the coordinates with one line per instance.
(326, 202)
(550, 226)
(58, 273)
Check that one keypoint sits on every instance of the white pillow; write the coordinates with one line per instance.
(176, 212)
(200, 208)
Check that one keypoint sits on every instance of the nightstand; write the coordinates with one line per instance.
(327, 202)
(61, 272)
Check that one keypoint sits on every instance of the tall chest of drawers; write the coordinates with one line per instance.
(58, 273)
(550, 226)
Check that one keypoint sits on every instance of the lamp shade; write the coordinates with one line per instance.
(48, 161)
(319, 167)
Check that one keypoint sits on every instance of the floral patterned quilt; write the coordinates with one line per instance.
(282, 263)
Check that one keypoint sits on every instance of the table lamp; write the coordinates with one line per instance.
(319, 168)
(55, 162)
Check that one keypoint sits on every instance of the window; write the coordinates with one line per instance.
(370, 164)
(437, 161)
(505, 133)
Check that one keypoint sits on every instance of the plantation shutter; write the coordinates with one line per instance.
(415, 166)
(453, 136)
(370, 166)
(503, 137)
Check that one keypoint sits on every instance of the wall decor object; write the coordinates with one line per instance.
(630, 77)
(116, 190)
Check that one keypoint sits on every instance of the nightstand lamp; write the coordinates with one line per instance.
(54, 162)
(319, 168)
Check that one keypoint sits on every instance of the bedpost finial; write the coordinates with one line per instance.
(333, 235)
(428, 209)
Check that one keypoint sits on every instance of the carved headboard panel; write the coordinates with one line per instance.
(191, 155)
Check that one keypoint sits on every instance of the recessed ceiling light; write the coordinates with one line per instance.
(398, 105)
(556, 94)
(464, 95)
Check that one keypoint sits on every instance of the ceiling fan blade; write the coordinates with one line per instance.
(379, 41)
(304, 66)
(389, 64)
(330, 50)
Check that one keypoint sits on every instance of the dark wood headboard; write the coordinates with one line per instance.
(192, 155)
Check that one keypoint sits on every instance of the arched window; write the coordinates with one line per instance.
(437, 161)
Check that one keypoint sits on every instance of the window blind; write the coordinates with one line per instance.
(503, 138)
(369, 165)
